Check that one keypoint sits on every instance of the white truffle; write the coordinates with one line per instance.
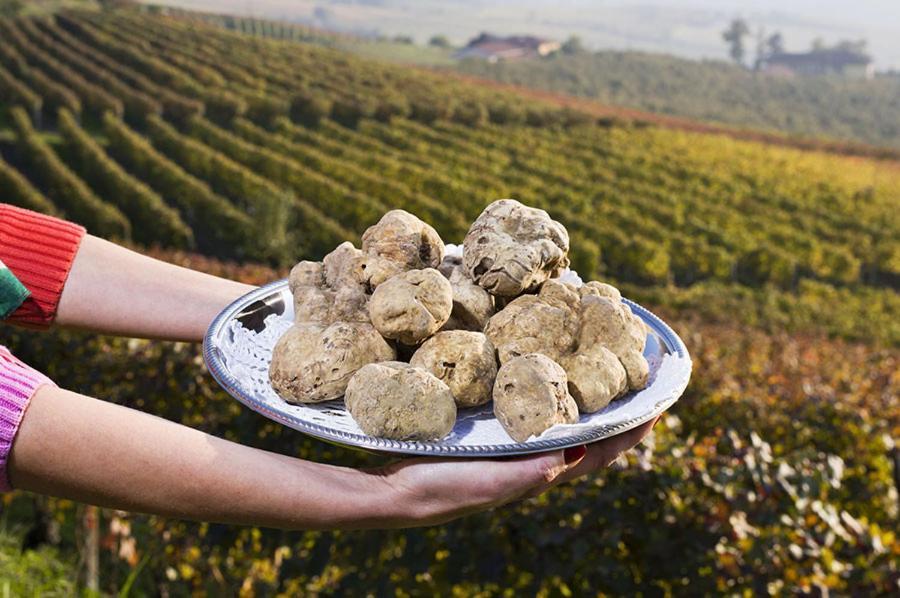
(311, 363)
(397, 243)
(411, 306)
(512, 248)
(464, 361)
(531, 395)
(398, 401)
(572, 327)
(472, 305)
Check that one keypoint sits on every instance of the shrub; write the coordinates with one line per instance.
(470, 113)
(309, 108)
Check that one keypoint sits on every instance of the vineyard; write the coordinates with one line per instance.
(177, 135)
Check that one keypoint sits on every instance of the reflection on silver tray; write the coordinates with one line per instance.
(238, 349)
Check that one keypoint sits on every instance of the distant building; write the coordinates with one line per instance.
(827, 61)
(517, 47)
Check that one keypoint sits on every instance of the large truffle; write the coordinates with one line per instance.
(544, 323)
(411, 306)
(531, 395)
(464, 361)
(397, 243)
(472, 305)
(311, 363)
(512, 248)
(398, 401)
(590, 331)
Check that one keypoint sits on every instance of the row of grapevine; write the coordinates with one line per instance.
(53, 94)
(192, 97)
(62, 186)
(66, 48)
(93, 97)
(14, 92)
(354, 210)
(18, 191)
(355, 177)
(174, 104)
(218, 226)
(158, 223)
(265, 204)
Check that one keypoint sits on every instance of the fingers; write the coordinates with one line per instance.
(603, 453)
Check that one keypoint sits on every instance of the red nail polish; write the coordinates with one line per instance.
(574, 454)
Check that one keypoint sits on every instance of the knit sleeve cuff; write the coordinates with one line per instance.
(39, 251)
(18, 383)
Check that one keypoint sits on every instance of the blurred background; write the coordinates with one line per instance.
(734, 167)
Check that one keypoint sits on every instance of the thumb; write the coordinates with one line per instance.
(544, 468)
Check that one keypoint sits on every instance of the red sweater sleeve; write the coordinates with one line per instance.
(39, 250)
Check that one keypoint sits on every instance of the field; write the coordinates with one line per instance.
(779, 265)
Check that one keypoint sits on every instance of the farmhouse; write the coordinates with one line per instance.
(495, 48)
(828, 61)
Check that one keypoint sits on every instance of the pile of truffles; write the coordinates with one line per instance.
(407, 336)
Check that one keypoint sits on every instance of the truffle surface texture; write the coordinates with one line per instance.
(398, 401)
(464, 361)
(411, 306)
(512, 248)
(311, 363)
(531, 395)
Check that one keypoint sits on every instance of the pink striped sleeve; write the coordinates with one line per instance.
(18, 383)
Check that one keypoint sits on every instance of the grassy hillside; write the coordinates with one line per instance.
(865, 111)
(167, 132)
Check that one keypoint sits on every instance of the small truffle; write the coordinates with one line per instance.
(544, 323)
(311, 364)
(395, 400)
(531, 395)
(411, 306)
(332, 290)
(472, 305)
(596, 377)
(512, 248)
(464, 361)
(397, 243)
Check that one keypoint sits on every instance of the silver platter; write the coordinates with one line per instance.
(238, 349)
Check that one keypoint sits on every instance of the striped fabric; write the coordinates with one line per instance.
(18, 383)
(39, 251)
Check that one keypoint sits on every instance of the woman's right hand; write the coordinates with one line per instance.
(428, 491)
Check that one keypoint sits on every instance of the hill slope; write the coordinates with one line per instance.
(774, 471)
(865, 111)
(270, 150)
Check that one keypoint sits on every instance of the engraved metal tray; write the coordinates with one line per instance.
(238, 349)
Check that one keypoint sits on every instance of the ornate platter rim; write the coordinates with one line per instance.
(214, 361)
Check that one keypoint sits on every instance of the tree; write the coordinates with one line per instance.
(735, 35)
(406, 40)
(573, 45)
(761, 45)
(775, 44)
(439, 41)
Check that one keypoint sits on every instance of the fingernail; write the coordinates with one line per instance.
(573, 454)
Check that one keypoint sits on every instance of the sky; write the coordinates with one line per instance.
(689, 28)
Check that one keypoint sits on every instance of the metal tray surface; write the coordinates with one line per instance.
(238, 349)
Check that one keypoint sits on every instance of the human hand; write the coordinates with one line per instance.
(430, 491)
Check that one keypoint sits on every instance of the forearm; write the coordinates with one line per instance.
(88, 450)
(114, 290)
